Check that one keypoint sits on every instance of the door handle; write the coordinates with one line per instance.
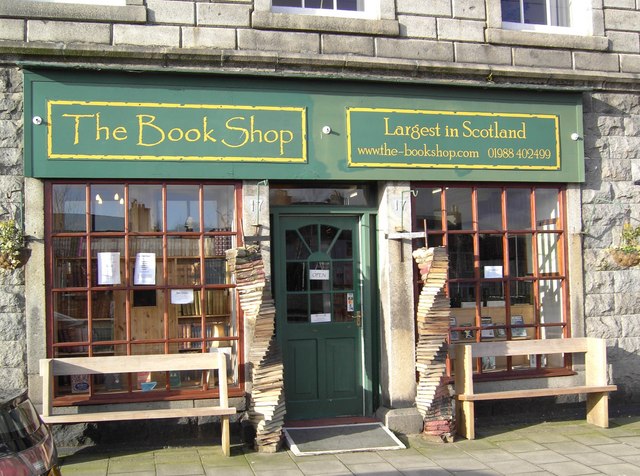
(358, 317)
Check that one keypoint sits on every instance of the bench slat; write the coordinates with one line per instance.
(596, 386)
(526, 347)
(134, 363)
(138, 415)
(49, 368)
(536, 392)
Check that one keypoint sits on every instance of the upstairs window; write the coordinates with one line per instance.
(536, 12)
(358, 8)
(86, 2)
(543, 15)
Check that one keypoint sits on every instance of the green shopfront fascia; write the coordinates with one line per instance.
(177, 154)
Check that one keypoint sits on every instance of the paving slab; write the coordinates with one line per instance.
(569, 468)
(554, 448)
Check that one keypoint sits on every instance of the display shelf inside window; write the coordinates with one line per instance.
(215, 308)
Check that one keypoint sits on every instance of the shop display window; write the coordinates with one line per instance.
(507, 266)
(140, 268)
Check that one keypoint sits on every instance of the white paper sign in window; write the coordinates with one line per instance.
(493, 271)
(108, 268)
(325, 317)
(145, 269)
(319, 274)
(181, 296)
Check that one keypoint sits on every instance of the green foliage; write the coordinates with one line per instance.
(630, 242)
(11, 243)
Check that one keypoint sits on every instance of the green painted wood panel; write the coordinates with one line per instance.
(105, 124)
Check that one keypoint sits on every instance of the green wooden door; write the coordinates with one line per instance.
(318, 294)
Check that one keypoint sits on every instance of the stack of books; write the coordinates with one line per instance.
(433, 399)
(267, 406)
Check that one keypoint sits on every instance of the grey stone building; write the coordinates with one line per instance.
(549, 92)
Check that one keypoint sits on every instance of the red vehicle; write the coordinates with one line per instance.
(26, 444)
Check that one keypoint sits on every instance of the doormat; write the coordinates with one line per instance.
(317, 440)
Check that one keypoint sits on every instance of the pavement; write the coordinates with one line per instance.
(571, 447)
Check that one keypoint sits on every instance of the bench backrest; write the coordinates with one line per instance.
(595, 351)
(50, 368)
(134, 363)
(527, 347)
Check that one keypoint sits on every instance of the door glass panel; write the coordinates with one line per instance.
(343, 246)
(320, 276)
(296, 247)
(70, 264)
(342, 275)
(548, 253)
(462, 295)
(219, 207)
(320, 306)
(145, 208)
(435, 240)
(297, 308)
(489, 209)
(520, 256)
(347, 195)
(461, 256)
(547, 209)
(492, 295)
(145, 261)
(491, 256)
(518, 209)
(429, 209)
(459, 215)
(521, 294)
(327, 236)
(107, 261)
(69, 207)
(296, 277)
(183, 211)
(550, 301)
(340, 308)
(309, 235)
(107, 208)
(184, 261)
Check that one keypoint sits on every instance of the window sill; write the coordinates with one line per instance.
(70, 11)
(285, 21)
(546, 40)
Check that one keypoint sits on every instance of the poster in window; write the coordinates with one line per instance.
(108, 268)
(487, 331)
(518, 331)
(145, 269)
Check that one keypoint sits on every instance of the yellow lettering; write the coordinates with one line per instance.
(206, 133)
(77, 117)
(286, 136)
(192, 135)
(175, 134)
(244, 132)
(120, 133)
(146, 121)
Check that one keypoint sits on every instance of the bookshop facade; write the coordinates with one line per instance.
(149, 180)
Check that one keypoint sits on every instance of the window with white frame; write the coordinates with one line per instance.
(545, 15)
(357, 8)
(87, 2)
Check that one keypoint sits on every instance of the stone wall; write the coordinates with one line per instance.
(411, 38)
(13, 329)
(610, 198)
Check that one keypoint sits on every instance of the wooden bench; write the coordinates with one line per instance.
(51, 368)
(595, 386)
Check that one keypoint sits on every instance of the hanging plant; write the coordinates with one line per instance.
(628, 252)
(11, 245)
